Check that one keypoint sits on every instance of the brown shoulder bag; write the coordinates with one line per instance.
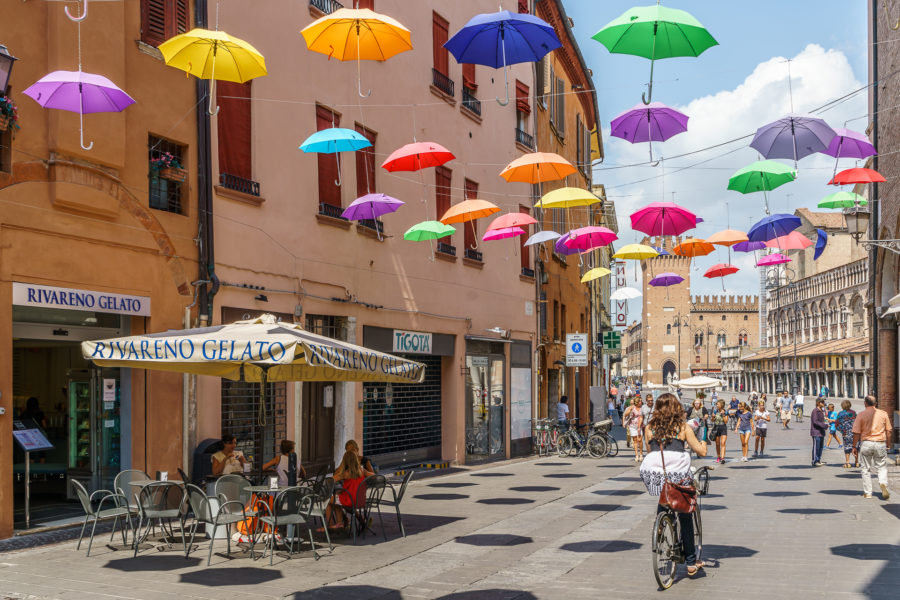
(677, 496)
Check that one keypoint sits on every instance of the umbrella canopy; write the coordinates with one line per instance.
(625, 293)
(720, 270)
(773, 226)
(773, 259)
(468, 210)
(253, 350)
(560, 246)
(371, 206)
(663, 218)
(793, 137)
(666, 279)
(567, 197)
(335, 139)
(428, 230)
(538, 167)
(761, 176)
(850, 144)
(727, 237)
(792, 241)
(502, 233)
(857, 175)
(821, 242)
(516, 219)
(699, 382)
(595, 273)
(636, 252)
(542, 236)
(748, 246)
(654, 122)
(693, 247)
(588, 238)
(661, 251)
(842, 200)
(351, 34)
(416, 156)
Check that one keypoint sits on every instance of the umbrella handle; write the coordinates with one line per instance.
(78, 20)
(212, 87)
(505, 73)
(649, 96)
(81, 121)
(337, 159)
(358, 74)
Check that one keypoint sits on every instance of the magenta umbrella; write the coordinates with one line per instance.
(663, 218)
(371, 206)
(502, 233)
(773, 259)
(77, 91)
(588, 238)
(654, 122)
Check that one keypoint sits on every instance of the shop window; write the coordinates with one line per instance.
(163, 19)
(365, 163)
(329, 165)
(167, 175)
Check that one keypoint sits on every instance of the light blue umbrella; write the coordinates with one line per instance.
(542, 236)
(334, 140)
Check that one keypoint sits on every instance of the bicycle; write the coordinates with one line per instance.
(666, 544)
(602, 429)
(546, 434)
(573, 443)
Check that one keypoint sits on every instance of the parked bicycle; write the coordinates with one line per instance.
(602, 429)
(577, 441)
(667, 549)
(545, 434)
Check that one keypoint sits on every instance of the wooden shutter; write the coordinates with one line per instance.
(579, 141)
(540, 78)
(561, 107)
(365, 164)
(523, 249)
(442, 178)
(370, 4)
(523, 7)
(523, 102)
(329, 193)
(234, 129)
(471, 228)
(468, 76)
(440, 35)
(554, 105)
(182, 17)
(153, 22)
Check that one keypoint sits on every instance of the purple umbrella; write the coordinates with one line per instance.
(793, 137)
(561, 247)
(748, 246)
(371, 206)
(654, 122)
(77, 91)
(850, 144)
(666, 279)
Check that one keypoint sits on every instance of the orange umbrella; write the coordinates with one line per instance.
(693, 247)
(727, 237)
(792, 241)
(468, 210)
(538, 167)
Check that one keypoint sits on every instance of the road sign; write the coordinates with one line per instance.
(612, 340)
(576, 350)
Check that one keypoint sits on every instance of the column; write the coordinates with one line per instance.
(887, 367)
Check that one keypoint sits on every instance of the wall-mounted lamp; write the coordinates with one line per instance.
(261, 297)
(6, 64)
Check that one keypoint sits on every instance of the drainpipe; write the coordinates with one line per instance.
(875, 208)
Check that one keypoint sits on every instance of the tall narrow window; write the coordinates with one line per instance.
(167, 176)
(329, 191)
(440, 34)
(555, 320)
(470, 228)
(579, 143)
(540, 81)
(468, 76)
(523, 7)
(162, 19)
(365, 164)
(234, 130)
(523, 109)
(551, 99)
(442, 179)
(562, 322)
(560, 99)
(524, 251)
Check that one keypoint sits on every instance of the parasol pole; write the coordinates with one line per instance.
(261, 417)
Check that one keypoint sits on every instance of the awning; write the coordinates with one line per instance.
(893, 306)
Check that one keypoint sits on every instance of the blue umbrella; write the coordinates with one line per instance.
(334, 140)
(772, 227)
(503, 38)
(821, 242)
(662, 251)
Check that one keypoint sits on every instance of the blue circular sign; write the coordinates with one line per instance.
(576, 347)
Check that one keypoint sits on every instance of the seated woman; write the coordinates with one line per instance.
(351, 475)
(364, 461)
(669, 433)
(281, 464)
(228, 460)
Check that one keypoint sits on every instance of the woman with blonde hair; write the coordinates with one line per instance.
(632, 420)
(720, 430)
(351, 474)
(745, 427)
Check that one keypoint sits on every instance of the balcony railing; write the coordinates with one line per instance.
(240, 184)
(473, 254)
(326, 6)
(373, 224)
(526, 272)
(330, 210)
(524, 138)
(445, 248)
(442, 82)
(470, 102)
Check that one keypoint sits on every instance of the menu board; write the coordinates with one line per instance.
(30, 437)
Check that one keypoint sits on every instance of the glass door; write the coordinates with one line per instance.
(486, 411)
(107, 426)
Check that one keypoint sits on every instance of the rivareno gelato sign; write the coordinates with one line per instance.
(45, 296)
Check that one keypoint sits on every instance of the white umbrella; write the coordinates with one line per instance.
(698, 382)
(625, 293)
(542, 236)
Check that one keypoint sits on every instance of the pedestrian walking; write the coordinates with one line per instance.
(647, 412)
(845, 420)
(798, 406)
(611, 409)
(697, 417)
(786, 410)
(744, 418)
(732, 412)
(871, 439)
(761, 419)
(778, 406)
(817, 429)
(633, 421)
(831, 420)
(720, 430)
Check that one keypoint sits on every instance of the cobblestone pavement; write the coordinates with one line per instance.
(548, 528)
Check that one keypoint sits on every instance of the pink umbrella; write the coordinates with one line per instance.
(588, 238)
(663, 218)
(792, 241)
(512, 220)
(502, 234)
(773, 259)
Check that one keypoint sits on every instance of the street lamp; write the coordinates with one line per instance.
(782, 278)
(6, 64)
(858, 224)
(679, 322)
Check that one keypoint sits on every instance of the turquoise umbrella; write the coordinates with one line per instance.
(333, 141)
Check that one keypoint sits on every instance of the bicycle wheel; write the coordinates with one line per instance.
(612, 445)
(665, 542)
(698, 533)
(564, 445)
(597, 446)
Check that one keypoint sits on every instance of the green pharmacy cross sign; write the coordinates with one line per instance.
(611, 340)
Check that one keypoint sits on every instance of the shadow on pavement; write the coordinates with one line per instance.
(625, 478)
(781, 494)
(492, 474)
(492, 594)
(809, 511)
(452, 484)
(889, 552)
(216, 577)
(796, 467)
(507, 501)
(619, 492)
(349, 592)
(788, 478)
(552, 464)
(718, 551)
(849, 476)
(600, 507)
(534, 488)
(159, 562)
(885, 584)
(493, 539)
(841, 492)
(440, 496)
(413, 524)
(739, 466)
(601, 546)
(894, 509)
(564, 475)
(706, 507)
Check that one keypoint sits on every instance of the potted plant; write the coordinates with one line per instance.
(9, 114)
(168, 166)
(701, 395)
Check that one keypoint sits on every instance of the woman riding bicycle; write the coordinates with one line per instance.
(668, 428)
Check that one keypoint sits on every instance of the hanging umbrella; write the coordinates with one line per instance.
(538, 167)
(428, 230)
(567, 197)
(793, 137)
(542, 236)
(720, 270)
(561, 247)
(516, 219)
(77, 91)
(213, 55)
(773, 226)
(666, 279)
(502, 233)
(692, 247)
(792, 241)
(501, 39)
(727, 237)
(773, 259)
(850, 144)
(748, 246)
(468, 210)
(636, 252)
(663, 218)
(357, 34)
(761, 176)
(661, 251)
(595, 273)
(654, 122)
(821, 242)
(588, 238)
(371, 206)
(655, 32)
(416, 156)
(334, 140)
(857, 175)
(625, 293)
(842, 200)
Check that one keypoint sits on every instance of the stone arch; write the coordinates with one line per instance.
(62, 171)
(668, 368)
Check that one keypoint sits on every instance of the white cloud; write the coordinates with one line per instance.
(818, 76)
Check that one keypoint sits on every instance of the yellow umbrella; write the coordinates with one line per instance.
(595, 273)
(538, 167)
(567, 197)
(213, 55)
(357, 34)
(635, 252)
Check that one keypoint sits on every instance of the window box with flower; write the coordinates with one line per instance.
(168, 166)
(9, 114)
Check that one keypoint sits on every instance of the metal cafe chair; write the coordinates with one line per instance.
(292, 507)
(368, 496)
(121, 485)
(118, 509)
(228, 514)
(398, 497)
(232, 488)
(323, 492)
(155, 501)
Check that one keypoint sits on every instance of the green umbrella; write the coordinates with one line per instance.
(428, 230)
(842, 200)
(655, 32)
(761, 176)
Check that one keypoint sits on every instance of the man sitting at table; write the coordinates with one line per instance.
(351, 476)
(228, 460)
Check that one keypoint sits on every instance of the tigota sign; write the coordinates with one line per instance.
(412, 342)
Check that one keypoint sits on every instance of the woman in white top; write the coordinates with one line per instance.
(280, 464)
(228, 460)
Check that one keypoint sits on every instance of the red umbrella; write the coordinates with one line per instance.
(857, 175)
(720, 270)
(418, 155)
(512, 220)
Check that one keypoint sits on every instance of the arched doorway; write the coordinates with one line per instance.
(668, 370)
